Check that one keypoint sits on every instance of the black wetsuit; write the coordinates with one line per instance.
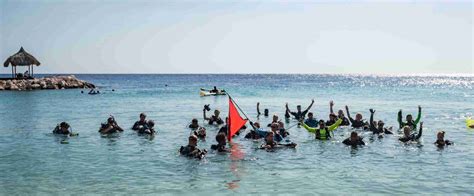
(299, 115)
(252, 135)
(412, 137)
(216, 120)
(330, 122)
(192, 151)
(219, 148)
(193, 126)
(358, 124)
(441, 143)
(58, 130)
(137, 125)
(345, 122)
(349, 142)
(376, 130)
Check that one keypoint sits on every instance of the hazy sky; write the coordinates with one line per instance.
(240, 36)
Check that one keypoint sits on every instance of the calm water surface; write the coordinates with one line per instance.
(33, 161)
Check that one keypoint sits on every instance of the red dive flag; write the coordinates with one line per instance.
(235, 120)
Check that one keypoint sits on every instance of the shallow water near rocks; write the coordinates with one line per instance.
(33, 161)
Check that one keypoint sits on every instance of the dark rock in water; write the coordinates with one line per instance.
(51, 82)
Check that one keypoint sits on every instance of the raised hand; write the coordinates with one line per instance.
(312, 100)
(421, 124)
(331, 103)
(372, 110)
(419, 107)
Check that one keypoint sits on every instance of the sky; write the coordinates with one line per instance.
(226, 36)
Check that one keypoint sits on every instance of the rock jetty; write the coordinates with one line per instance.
(50, 82)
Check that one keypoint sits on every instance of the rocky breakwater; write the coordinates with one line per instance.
(50, 82)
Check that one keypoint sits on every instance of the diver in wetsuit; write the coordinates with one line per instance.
(191, 150)
(440, 141)
(270, 144)
(140, 123)
(63, 129)
(311, 121)
(409, 119)
(358, 122)
(110, 127)
(332, 119)
(354, 140)
(194, 124)
(265, 111)
(221, 143)
(148, 128)
(408, 136)
(200, 133)
(340, 114)
(323, 132)
(299, 114)
(214, 118)
(378, 128)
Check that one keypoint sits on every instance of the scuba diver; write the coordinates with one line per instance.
(110, 127)
(409, 119)
(358, 122)
(265, 111)
(214, 118)
(354, 140)
(378, 127)
(148, 128)
(221, 143)
(63, 129)
(311, 121)
(323, 132)
(332, 119)
(440, 141)
(408, 136)
(270, 143)
(340, 114)
(194, 124)
(299, 114)
(140, 123)
(200, 133)
(258, 132)
(191, 150)
(275, 119)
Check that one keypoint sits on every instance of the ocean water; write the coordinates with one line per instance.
(33, 161)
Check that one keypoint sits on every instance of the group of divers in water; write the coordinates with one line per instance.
(275, 137)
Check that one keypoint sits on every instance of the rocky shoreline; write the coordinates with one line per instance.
(50, 82)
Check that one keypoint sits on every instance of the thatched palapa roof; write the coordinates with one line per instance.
(21, 58)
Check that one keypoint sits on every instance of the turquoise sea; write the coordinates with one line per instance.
(33, 161)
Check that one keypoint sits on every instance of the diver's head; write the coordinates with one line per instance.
(409, 117)
(269, 137)
(226, 120)
(221, 139)
(265, 112)
(281, 125)
(192, 140)
(150, 123)
(194, 121)
(216, 113)
(256, 124)
(440, 135)
(111, 120)
(354, 136)
(321, 124)
(64, 125)
(358, 117)
(298, 107)
(406, 131)
(340, 113)
(274, 127)
(275, 118)
(380, 123)
(142, 117)
(332, 117)
(310, 115)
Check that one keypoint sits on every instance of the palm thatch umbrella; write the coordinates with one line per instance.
(21, 58)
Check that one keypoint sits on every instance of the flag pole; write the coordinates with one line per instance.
(240, 109)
